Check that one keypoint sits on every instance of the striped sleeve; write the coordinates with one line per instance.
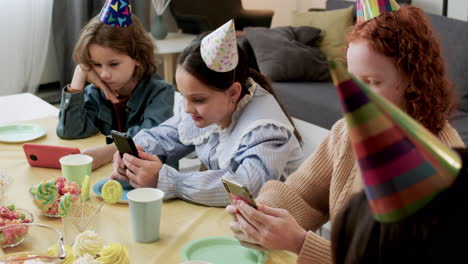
(163, 141)
(263, 155)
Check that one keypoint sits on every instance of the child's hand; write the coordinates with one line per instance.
(143, 171)
(119, 172)
(83, 74)
(271, 228)
(238, 232)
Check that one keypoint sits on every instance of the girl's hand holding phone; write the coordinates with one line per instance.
(83, 74)
(267, 227)
(119, 169)
(140, 172)
(237, 230)
(126, 144)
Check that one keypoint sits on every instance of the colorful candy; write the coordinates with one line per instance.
(11, 234)
(65, 204)
(47, 193)
(112, 191)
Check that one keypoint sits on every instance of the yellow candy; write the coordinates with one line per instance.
(114, 254)
(65, 204)
(85, 185)
(54, 251)
(112, 191)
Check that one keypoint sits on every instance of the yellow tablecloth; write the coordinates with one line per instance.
(181, 222)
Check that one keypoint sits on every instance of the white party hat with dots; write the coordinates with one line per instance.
(219, 48)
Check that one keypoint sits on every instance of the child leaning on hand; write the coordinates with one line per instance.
(124, 93)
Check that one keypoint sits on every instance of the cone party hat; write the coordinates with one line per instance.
(219, 48)
(368, 9)
(403, 165)
(117, 13)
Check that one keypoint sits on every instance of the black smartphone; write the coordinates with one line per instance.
(124, 143)
(237, 191)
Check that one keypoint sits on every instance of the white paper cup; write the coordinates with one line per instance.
(145, 213)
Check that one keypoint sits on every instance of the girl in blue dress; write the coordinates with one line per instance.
(229, 116)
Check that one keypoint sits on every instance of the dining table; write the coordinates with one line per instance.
(181, 221)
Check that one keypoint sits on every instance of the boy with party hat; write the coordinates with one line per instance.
(413, 208)
(116, 56)
(229, 116)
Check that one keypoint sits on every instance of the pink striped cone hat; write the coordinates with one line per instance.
(403, 165)
(368, 9)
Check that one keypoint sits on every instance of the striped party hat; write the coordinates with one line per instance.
(117, 13)
(403, 165)
(368, 9)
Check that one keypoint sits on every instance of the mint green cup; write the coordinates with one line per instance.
(145, 213)
(75, 167)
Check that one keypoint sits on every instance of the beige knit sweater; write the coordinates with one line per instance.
(321, 186)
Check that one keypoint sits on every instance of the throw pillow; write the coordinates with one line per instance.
(334, 25)
(288, 54)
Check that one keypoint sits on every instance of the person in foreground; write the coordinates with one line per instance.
(396, 54)
(432, 234)
(229, 116)
(116, 55)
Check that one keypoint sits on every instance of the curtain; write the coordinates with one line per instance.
(25, 35)
(69, 16)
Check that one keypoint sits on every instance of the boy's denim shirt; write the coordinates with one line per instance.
(86, 113)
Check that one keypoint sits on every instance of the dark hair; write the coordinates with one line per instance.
(405, 36)
(435, 234)
(192, 61)
(132, 40)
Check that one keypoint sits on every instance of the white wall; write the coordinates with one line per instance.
(458, 9)
(432, 6)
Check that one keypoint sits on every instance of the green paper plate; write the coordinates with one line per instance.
(222, 250)
(20, 133)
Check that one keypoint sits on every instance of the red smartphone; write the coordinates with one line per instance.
(47, 156)
(237, 191)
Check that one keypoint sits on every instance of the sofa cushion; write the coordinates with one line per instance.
(247, 48)
(453, 35)
(313, 102)
(339, 4)
(334, 25)
(288, 53)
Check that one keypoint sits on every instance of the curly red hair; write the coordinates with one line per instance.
(406, 37)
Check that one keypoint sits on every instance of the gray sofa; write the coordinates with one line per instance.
(317, 102)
